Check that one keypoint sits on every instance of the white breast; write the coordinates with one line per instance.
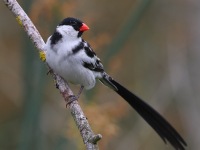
(69, 66)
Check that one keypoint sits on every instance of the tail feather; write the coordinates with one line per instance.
(152, 117)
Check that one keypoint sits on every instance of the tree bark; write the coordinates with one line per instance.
(89, 138)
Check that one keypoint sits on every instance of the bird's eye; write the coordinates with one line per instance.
(73, 23)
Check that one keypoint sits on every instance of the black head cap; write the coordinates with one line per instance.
(75, 23)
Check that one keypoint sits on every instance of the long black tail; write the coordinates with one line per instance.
(152, 117)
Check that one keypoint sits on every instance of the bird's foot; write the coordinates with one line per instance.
(49, 71)
(71, 99)
(80, 91)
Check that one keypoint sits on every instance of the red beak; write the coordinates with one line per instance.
(84, 27)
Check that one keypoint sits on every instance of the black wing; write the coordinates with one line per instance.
(93, 63)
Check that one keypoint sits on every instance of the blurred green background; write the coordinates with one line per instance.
(150, 46)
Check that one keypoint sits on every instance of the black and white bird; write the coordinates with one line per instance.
(73, 59)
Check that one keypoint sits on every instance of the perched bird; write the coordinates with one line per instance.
(73, 59)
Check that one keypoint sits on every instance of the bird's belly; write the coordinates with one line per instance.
(71, 71)
(76, 75)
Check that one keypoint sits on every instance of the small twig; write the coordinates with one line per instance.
(89, 138)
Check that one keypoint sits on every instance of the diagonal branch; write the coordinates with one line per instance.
(89, 138)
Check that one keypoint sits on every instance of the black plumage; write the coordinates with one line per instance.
(55, 38)
(152, 117)
(78, 48)
(94, 67)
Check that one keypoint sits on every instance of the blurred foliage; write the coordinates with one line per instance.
(151, 47)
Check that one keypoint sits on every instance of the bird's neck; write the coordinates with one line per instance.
(69, 38)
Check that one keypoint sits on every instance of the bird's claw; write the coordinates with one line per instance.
(49, 71)
(71, 99)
